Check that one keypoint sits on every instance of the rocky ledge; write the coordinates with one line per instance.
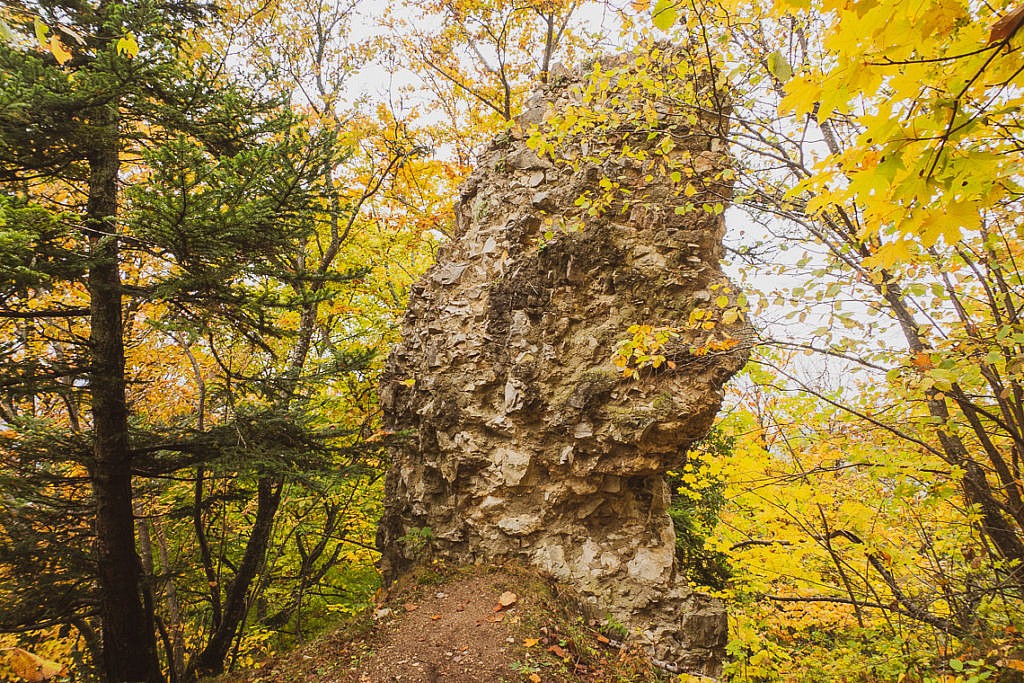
(516, 435)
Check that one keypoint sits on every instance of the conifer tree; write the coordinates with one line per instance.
(134, 171)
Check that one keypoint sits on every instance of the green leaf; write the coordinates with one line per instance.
(779, 66)
(943, 379)
(6, 34)
(41, 31)
(664, 15)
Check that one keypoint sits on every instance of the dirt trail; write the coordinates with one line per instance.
(452, 634)
(477, 626)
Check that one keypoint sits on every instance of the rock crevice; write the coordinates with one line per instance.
(516, 435)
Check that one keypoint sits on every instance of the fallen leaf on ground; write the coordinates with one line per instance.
(495, 618)
(507, 599)
(530, 642)
(558, 651)
(603, 639)
(435, 617)
(1015, 664)
(534, 678)
(411, 607)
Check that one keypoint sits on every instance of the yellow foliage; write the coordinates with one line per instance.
(31, 667)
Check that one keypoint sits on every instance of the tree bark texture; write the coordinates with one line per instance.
(129, 643)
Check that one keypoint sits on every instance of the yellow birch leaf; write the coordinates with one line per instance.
(59, 52)
(664, 15)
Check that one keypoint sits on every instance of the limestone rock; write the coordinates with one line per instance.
(518, 437)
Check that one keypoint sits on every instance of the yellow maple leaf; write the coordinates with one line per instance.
(128, 46)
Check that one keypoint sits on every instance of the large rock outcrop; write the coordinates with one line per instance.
(517, 436)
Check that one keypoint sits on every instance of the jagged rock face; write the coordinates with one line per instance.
(518, 436)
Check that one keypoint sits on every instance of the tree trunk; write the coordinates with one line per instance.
(210, 661)
(129, 643)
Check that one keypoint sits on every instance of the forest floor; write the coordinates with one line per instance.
(482, 625)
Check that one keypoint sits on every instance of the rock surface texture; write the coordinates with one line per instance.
(517, 436)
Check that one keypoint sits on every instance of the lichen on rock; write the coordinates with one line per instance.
(517, 437)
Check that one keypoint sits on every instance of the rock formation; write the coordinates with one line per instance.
(516, 435)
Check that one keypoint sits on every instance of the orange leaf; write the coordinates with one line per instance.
(435, 617)
(558, 652)
(530, 642)
(1005, 28)
(410, 607)
(922, 361)
(723, 345)
(379, 435)
(534, 678)
(1015, 664)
